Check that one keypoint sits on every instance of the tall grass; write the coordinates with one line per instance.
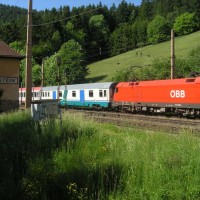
(81, 159)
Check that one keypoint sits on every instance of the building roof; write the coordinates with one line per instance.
(7, 52)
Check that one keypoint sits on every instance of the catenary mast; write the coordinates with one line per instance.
(28, 78)
(172, 56)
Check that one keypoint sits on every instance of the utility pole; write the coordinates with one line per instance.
(172, 55)
(58, 76)
(28, 79)
(42, 84)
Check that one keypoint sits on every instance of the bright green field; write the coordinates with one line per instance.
(104, 70)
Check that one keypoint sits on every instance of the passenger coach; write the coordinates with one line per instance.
(88, 95)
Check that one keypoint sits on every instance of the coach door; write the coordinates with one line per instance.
(82, 96)
(54, 94)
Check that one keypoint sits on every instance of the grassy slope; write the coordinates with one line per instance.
(105, 69)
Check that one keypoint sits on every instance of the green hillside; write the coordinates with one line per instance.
(104, 70)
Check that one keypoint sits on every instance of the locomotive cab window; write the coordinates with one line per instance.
(116, 90)
(91, 93)
(73, 93)
(60, 94)
(190, 80)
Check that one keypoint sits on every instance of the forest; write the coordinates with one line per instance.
(73, 38)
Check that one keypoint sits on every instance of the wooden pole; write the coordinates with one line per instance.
(42, 84)
(28, 79)
(172, 55)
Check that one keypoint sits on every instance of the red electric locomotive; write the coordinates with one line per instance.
(179, 96)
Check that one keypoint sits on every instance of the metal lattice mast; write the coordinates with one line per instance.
(172, 56)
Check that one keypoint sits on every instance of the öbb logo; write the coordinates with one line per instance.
(177, 93)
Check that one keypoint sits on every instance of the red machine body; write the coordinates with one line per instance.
(175, 93)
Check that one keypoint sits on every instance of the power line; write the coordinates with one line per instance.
(15, 34)
(66, 18)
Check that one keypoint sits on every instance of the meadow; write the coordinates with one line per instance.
(106, 69)
(81, 159)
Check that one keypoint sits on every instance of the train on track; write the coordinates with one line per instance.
(179, 97)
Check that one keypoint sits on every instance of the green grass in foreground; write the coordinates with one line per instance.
(86, 160)
(105, 70)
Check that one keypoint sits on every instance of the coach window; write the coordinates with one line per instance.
(91, 93)
(73, 93)
(105, 93)
(100, 93)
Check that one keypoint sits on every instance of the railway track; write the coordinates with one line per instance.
(159, 123)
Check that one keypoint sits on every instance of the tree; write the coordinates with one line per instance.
(185, 24)
(158, 30)
(99, 34)
(146, 10)
(72, 33)
(72, 61)
(56, 40)
(141, 32)
(123, 39)
(124, 12)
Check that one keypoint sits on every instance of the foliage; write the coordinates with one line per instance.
(18, 46)
(185, 24)
(130, 74)
(101, 31)
(158, 30)
(77, 160)
(123, 39)
(125, 12)
(72, 33)
(71, 67)
(56, 40)
(141, 32)
(99, 34)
